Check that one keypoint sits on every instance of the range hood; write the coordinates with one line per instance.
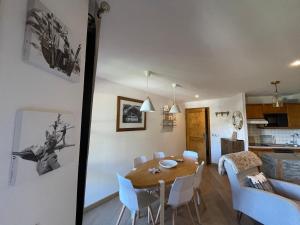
(257, 121)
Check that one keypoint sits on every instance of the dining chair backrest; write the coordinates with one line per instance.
(191, 155)
(158, 155)
(140, 160)
(198, 175)
(182, 191)
(127, 194)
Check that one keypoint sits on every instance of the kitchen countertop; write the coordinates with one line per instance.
(275, 146)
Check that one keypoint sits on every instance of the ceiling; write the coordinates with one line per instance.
(210, 47)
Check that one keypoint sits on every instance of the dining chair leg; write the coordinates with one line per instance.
(197, 196)
(133, 218)
(201, 198)
(151, 214)
(173, 216)
(158, 214)
(148, 212)
(190, 213)
(239, 216)
(197, 210)
(121, 214)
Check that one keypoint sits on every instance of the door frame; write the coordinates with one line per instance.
(86, 116)
(207, 133)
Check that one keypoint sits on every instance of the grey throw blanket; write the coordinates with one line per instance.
(240, 161)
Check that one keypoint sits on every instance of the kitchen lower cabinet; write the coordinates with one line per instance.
(230, 146)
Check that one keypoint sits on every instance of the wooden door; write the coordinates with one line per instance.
(196, 132)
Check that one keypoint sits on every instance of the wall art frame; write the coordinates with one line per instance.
(129, 116)
(49, 43)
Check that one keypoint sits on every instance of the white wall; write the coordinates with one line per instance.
(222, 127)
(111, 151)
(51, 199)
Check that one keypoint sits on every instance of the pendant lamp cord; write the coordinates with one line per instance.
(174, 95)
(147, 81)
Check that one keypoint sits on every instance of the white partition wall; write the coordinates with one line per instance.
(50, 199)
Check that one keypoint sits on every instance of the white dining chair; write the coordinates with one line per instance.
(158, 155)
(191, 155)
(133, 201)
(181, 194)
(198, 199)
(139, 161)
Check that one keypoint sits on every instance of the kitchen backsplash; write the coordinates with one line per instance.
(281, 136)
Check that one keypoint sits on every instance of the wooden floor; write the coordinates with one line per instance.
(216, 194)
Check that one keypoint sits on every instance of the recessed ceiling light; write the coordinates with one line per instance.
(296, 63)
(196, 96)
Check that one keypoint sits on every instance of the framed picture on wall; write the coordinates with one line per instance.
(49, 43)
(43, 142)
(129, 116)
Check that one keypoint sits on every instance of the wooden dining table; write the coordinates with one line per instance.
(141, 178)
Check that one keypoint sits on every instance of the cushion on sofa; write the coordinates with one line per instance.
(259, 181)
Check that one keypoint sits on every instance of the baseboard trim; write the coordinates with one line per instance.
(100, 202)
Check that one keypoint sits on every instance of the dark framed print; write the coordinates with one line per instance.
(129, 116)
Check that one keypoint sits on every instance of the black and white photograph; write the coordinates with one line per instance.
(43, 142)
(129, 116)
(132, 113)
(48, 43)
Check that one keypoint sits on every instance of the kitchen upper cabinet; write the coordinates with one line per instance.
(254, 111)
(269, 109)
(257, 111)
(293, 115)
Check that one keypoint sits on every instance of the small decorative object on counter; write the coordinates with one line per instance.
(234, 136)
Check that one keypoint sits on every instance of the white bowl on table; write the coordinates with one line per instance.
(167, 163)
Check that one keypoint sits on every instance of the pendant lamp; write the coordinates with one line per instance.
(175, 108)
(277, 100)
(147, 105)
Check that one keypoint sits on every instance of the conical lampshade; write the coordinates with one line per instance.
(175, 109)
(147, 106)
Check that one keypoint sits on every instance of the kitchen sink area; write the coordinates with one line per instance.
(277, 142)
(275, 145)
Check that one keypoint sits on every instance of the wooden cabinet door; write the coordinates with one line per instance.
(254, 111)
(269, 109)
(294, 115)
(238, 146)
(226, 146)
(196, 131)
